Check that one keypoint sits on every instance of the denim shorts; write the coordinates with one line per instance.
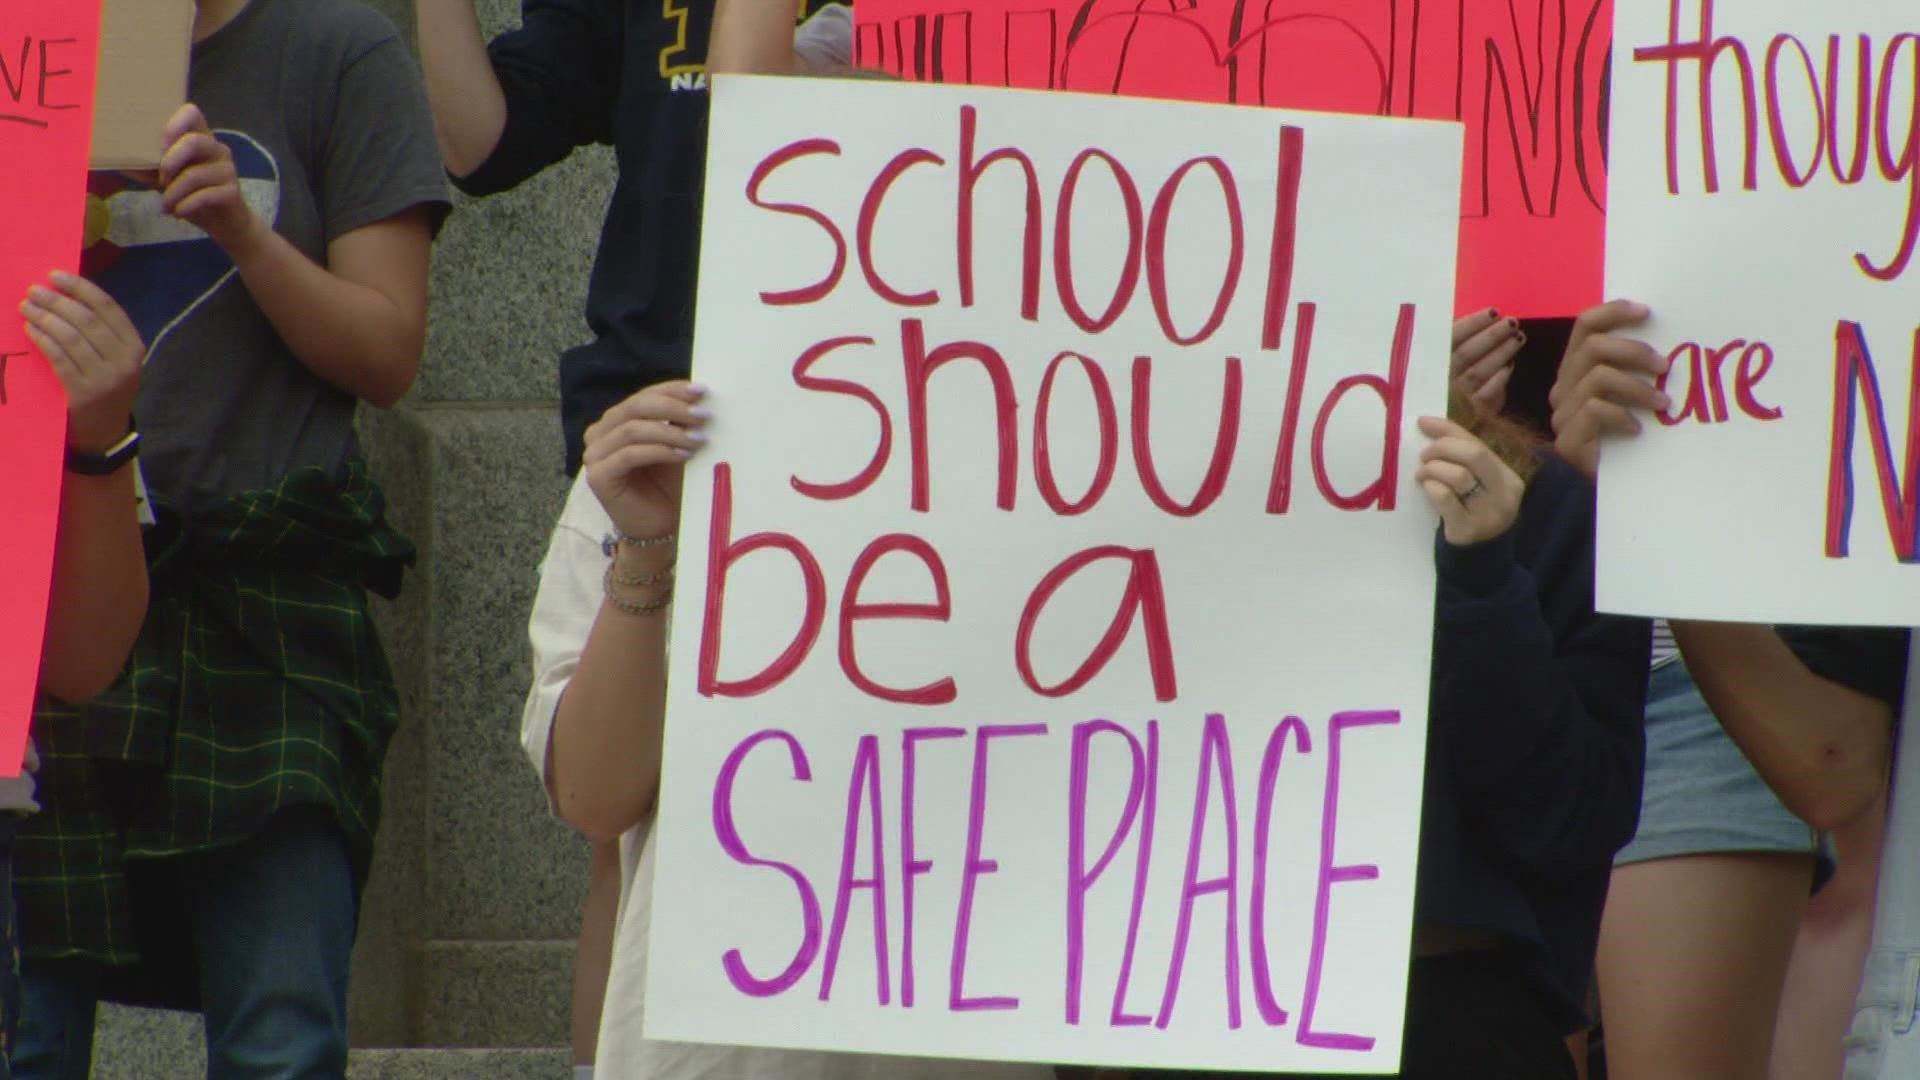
(1702, 795)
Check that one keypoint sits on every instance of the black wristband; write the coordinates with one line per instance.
(116, 458)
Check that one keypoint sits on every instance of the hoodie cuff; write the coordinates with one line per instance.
(1477, 569)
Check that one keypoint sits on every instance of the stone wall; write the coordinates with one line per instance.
(474, 904)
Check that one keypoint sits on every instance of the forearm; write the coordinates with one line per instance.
(603, 765)
(1823, 747)
(353, 336)
(469, 107)
(752, 37)
(99, 596)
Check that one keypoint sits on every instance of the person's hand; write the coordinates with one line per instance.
(1478, 495)
(96, 353)
(635, 454)
(1603, 378)
(199, 184)
(1484, 345)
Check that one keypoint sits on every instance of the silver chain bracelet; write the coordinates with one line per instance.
(610, 543)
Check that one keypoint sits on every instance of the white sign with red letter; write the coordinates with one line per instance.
(1766, 205)
(1050, 675)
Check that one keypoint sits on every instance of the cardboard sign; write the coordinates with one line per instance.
(1766, 205)
(144, 50)
(1049, 679)
(46, 97)
(1527, 79)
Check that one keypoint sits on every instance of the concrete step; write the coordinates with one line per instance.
(461, 1065)
(135, 1044)
(145, 1044)
(494, 993)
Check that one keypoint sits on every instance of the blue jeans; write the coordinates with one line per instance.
(9, 946)
(272, 924)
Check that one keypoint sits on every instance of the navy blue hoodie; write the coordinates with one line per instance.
(1537, 743)
(630, 73)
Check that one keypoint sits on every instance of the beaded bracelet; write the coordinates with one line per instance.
(650, 607)
(657, 577)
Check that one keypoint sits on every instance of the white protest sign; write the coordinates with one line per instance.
(1049, 677)
(1765, 179)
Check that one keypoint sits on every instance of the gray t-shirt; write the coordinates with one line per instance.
(327, 118)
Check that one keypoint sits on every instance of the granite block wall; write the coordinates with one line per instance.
(471, 915)
(473, 908)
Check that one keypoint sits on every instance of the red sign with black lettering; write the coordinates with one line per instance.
(47, 58)
(1529, 80)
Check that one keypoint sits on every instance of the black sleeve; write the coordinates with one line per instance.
(1870, 660)
(1541, 698)
(561, 73)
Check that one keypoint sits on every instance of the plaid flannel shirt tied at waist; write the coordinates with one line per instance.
(257, 684)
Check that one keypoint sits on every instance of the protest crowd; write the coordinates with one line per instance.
(1648, 848)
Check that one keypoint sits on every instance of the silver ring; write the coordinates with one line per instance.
(1467, 495)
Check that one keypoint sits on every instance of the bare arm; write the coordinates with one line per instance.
(360, 322)
(469, 107)
(1823, 747)
(99, 587)
(753, 37)
(603, 755)
(99, 596)
(603, 765)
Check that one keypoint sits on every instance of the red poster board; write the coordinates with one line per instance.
(1527, 77)
(48, 51)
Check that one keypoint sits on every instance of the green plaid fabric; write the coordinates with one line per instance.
(257, 684)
